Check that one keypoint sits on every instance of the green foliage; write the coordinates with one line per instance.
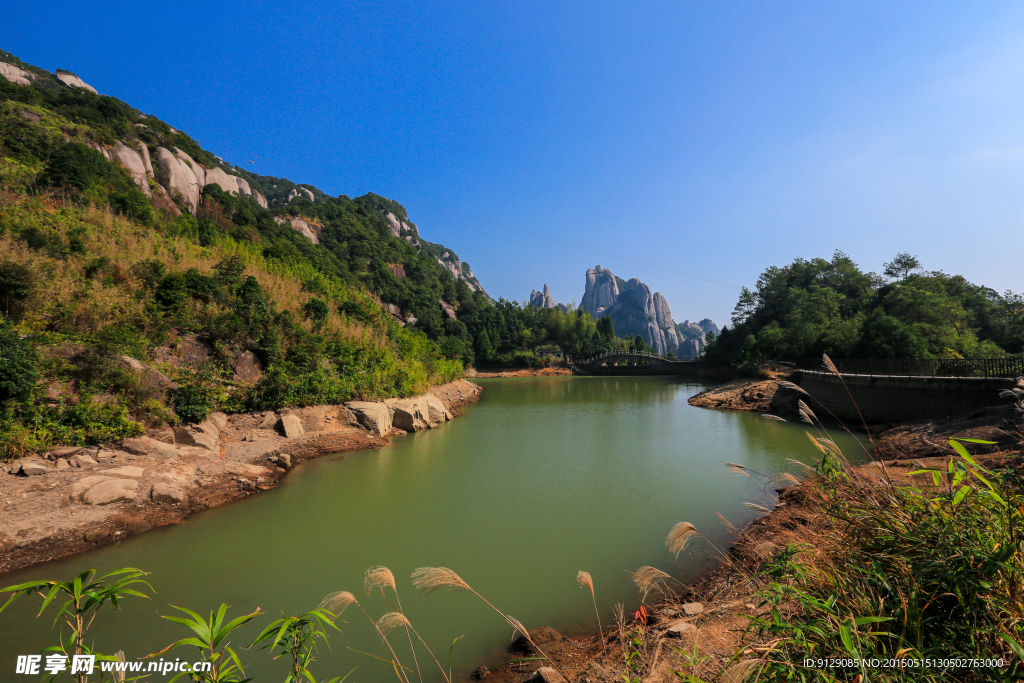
(33, 428)
(296, 638)
(193, 401)
(922, 573)
(77, 603)
(211, 641)
(813, 307)
(18, 366)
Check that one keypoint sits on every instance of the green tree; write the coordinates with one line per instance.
(15, 285)
(902, 267)
(18, 369)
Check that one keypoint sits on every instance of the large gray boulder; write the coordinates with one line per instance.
(410, 414)
(217, 176)
(247, 368)
(144, 445)
(447, 309)
(112, 491)
(436, 410)
(203, 435)
(260, 199)
(243, 186)
(300, 226)
(179, 178)
(298, 192)
(167, 492)
(151, 374)
(291, 426)
(197, 170)
(374, 416)
(68, 78)
(33, 468)
(134, 164)
(146, 161)
(15, 74)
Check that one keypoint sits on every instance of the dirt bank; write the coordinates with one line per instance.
(78, 499)
(520, 372)
(753, 395)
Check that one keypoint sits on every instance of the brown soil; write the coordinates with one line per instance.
(743, 394)
(930, 438)
(39, 522)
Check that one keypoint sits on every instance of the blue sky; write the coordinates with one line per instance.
(662, 140)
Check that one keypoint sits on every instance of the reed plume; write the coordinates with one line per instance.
(680, 536)
(745, 471)
(786, 384)
(649, 579)
(584, 579)
(789, 478)
(806, 414)
(429, 579)
(741, 671)
(335, 603)
(773, 417)
(390, 621)
(755, 506)
(728, 525)
(827, 363)
(380, 577)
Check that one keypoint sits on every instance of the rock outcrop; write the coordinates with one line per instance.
(709, 326)
(136, 166)
(543, 299)
(176, 176)
(311, 231)
(15, 74)
(247, 368)
(635, 310)
(70, 79)
(298, 192)
(228, 183)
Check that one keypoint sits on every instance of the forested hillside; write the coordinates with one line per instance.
(821, 306)
(131, 294)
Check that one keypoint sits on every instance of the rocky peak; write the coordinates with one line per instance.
(602, 291)
(542, 299)
(70, 79)
(709, 326)
(636, 311)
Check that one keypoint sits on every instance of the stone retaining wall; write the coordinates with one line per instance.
(896, 399)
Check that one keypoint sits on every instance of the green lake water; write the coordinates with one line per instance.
(542, 478)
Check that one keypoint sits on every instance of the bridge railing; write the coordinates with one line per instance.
(1012, 366)
(636, 354)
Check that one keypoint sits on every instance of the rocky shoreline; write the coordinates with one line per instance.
(76, 499)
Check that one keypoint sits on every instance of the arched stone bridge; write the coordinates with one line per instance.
(636, 363)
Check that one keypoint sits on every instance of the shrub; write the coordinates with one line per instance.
(193, 401)
(18, 371)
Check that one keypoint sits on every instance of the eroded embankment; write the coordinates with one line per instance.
(76, 499)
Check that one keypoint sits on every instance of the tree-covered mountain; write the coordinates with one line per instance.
(817, 306)
(143, 280)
